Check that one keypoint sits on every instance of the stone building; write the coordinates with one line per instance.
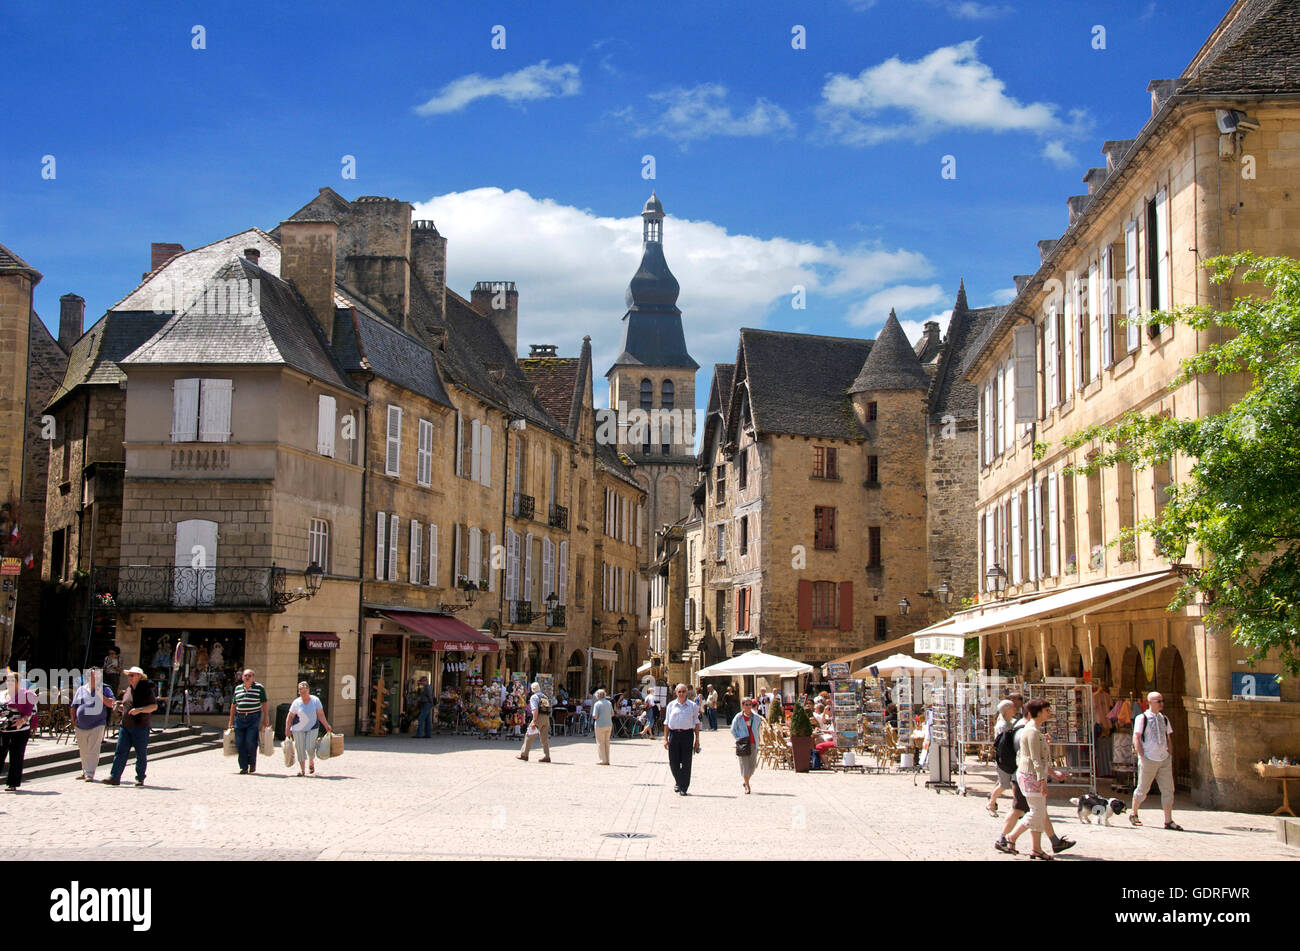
(31, 365)
(832, 489)
(1211, 172)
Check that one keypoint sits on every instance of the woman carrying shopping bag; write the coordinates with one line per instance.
(304, 714)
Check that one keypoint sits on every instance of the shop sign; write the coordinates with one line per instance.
(320, 642)
(1256, 687)
(940, 644)
(10, 566)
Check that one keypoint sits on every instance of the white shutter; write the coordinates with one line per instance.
(492, 571)
(1026, 373)
(1071, 350)
(1053, 548)
(433, 554)
(457, 554)
(393, 524)
(381, 549)
(393, 454)
(1163, 274)
(485, 467)
(1132, 305)
(1104, 306)
(460, 440)
(1015, 538)
(474, 459)
(191, 534)
(214, 411)
(1032, 531)
(548, 568)
(326, 408)
(512, 565)
(528, 568)
(990, 546)
(185, 410)
(475, 555)
(1008, 405)
(413, 558)
(1095, 318)
(640, 515)
(564, 573)
(1051, 356)
(424, 454)
(986, 418)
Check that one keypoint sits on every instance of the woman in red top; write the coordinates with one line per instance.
(747, 726)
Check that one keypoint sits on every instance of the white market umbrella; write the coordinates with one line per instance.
(895, 664)
(758, 664)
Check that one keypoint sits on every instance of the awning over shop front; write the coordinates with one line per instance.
(1057, 606)
(644, 668)
(446, 632)
(883, 649)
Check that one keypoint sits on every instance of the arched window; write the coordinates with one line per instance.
(666, 393)
(647, 394)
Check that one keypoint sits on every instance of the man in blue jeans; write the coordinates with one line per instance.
(137, 704)
(424, 726)
(248, 711)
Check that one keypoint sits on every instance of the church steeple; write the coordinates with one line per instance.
(652, 217)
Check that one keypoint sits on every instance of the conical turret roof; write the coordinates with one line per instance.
(892, 363)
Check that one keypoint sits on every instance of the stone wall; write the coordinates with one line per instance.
(951, 476)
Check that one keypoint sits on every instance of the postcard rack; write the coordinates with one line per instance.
(1070, 729)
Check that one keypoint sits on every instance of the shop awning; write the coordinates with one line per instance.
(1058, 606)
(601, 654)
(644, 668)
(884, 648)
(447, 633)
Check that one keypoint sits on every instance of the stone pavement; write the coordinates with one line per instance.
(456, 797)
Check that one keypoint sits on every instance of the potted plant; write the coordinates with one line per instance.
(801, 739)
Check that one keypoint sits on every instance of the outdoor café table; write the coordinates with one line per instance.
(624, 726)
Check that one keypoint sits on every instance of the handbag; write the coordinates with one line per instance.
(744, 747)
(266, 742)
(228, 743)
(336, 744)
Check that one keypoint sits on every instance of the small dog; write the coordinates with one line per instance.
(1098, 807)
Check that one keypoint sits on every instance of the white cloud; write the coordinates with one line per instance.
(914, 328)
(949, 88)
(572, 267)
(1003, 296)
(703, 112)
(902, 298)
(539, 81)
(1054, 151)
(969, 10)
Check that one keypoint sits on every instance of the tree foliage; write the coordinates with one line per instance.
(1239, 507)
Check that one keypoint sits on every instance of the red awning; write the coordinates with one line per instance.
(447, 633)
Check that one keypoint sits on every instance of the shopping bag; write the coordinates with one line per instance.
(266, 743)
(336, 745)
(323, 747)
(228, 743)
(289, 756)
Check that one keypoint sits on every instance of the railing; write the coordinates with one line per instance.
(523, 506)
(151, 588)
(521, 612)
(555, 616)
(559, 517)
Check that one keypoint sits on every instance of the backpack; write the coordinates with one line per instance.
(1005, 750)
(543, 705)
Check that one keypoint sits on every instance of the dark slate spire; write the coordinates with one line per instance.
(961, 296)
(892, 363)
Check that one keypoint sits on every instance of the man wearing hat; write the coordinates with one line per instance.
(137, 703)
(540, 706)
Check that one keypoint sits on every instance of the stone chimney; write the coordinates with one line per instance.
(1022, 281)
(1045, 248)
(72, 318)
(307, 262)
(499, 302)
(1114, 150)
(541, 350)
(932, 335)
(1162, 90)
(160, 252)
(1095, 178)
(429, 262)
(252, 255)
(1077, 205)
(376, 245)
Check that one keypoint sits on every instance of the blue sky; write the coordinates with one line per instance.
(777, 166)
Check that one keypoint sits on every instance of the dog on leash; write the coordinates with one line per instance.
(1097, 807)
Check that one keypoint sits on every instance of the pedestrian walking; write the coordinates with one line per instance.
(1151, 743)
(1033, 760)
(1006, 753)
(138, 702)
(248, 711)
(90, 706)
(602, 715)
(711, 707)
(305, 713)
(1006, 717)
(424, 694)
(681, 737)
(746, 729)
(18, 717)
(540, 706)
(648, 713)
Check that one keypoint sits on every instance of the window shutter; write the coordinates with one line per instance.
(548, 567)
(1032, 532)
(1051, 356)
(1104, 307)
(1054, 553)
(1026, 373)
(1074, 337)
(326, 408)
(381, 549)
(846, 605)
(512, 565)
(424, 454)
(185, 410)
(1133, 336)
(987, 422)
(805, 606)
(1015, 538)
(741, 616)
(1162, 275)
(564, 573)
(460, 439)
(475, 452)
(1008, 405)
(433, 554)
(413, 558)
(485, 467)
(1095, 318)
(990, 545)
(393, 523)
(491, 553)
(393, 454)
(214, 411)
(475, 554)
(528, 568)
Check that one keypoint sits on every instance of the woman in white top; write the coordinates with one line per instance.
(304, 713)
(1033, 763)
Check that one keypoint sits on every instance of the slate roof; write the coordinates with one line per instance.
(950, 392)
(1255, 50)
(892, 363)
(12, 262)
(270, 327)
(559, 383)
(724, 376)
(607, 460)
(653, 340)
(799, 383)
(93, 360)
(364, 342)
(177, 282)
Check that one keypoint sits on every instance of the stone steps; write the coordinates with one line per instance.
(46, 757)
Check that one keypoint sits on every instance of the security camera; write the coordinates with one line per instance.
(1230, 120)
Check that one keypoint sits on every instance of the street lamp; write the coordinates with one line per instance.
(314, 575)
(622, 626)
(945, 593)
(903, 607)
(995, 580)
(552, 600)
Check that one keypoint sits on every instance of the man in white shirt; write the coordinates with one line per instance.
(602, 715)
(711, 707)
(681, 737)
(540, 706)
(1155, 764)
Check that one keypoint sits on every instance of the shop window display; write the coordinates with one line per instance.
(208, 672)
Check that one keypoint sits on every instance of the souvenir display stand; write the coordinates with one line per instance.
(976, 705)
(874, 718)
(1070, 728)
(903, 699)
(943, 730)
(847, 701)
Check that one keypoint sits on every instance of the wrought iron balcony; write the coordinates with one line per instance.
(523, 506)
(555, 616)
(559, 517)
(226, 588)
(521, 612)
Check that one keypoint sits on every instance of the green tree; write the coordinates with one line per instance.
(1239, 508)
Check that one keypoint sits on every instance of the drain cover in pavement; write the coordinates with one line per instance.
(627, 835)
(1246, 829)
